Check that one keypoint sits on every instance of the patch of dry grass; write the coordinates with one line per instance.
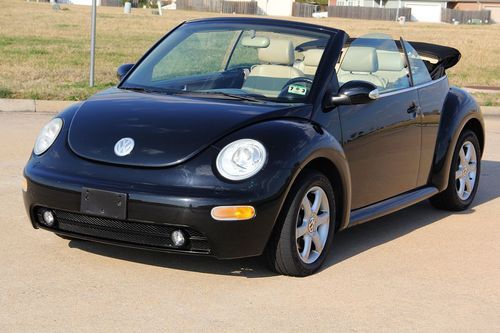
(44, 54)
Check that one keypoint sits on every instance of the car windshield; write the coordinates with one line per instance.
(232, 61)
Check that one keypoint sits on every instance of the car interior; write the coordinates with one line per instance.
(275, 69)
(283, 66)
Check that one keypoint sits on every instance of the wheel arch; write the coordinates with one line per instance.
(460, 112)
(297, 145)
(475, 126)
(329, 169)
(334, 166)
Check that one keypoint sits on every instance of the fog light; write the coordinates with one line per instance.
(48, 218)
(233, 213)
(178, 238)
(24, 185)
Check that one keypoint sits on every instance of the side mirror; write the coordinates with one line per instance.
(352, 93)
(123, 70)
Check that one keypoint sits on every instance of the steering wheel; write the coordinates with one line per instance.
(284, 91)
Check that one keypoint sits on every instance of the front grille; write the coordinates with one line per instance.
(139, 233)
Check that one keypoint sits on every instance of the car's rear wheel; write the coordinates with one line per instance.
(305, 231)
(464, 175)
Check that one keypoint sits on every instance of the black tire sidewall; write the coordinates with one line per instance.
(306, 182)
(471, 137)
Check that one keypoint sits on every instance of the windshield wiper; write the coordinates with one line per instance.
(148, 90)
(219, 94)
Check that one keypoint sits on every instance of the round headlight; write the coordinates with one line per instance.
(47, 136)
(241, 159)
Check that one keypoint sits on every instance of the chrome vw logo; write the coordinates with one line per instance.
(124, 146)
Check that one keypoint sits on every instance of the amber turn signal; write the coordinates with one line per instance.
(24, 184)
(233, 213)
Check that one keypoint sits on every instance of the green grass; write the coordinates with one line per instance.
(490, 99)
(5, 93)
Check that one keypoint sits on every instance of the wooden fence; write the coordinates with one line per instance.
(112, 3)
(465, 16)
(369, 13)
(218, 6)
(303, 9)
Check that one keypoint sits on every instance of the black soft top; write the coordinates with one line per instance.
(446, 56)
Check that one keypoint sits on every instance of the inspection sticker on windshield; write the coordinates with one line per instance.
(297, 89)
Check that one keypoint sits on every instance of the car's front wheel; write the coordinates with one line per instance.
(304, 234)
(463, 179)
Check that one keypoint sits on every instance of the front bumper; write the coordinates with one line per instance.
(151, 218)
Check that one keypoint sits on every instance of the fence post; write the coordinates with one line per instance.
(92, 43)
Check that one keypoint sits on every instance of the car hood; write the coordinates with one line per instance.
(167, 130)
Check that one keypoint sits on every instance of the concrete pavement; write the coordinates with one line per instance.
(419, 269)
(31, 105)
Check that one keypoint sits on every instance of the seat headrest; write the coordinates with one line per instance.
(360, 59)
(279, 52)
(312, 57)
(389, 61)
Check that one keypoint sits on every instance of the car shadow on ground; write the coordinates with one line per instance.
(348, 243)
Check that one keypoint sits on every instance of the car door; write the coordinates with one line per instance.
(381, 139)
(431, 94)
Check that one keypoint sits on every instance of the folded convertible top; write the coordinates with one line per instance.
(447, 56)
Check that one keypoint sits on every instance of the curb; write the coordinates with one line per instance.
(31, 105)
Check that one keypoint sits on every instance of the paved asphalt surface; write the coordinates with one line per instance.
(416, 270)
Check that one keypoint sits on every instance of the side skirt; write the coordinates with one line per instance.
(391, 205)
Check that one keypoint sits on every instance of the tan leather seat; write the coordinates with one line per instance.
(275, 70)
(310, 64)
(360, 63)
(391, 66)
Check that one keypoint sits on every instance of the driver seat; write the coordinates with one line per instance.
(275, 70)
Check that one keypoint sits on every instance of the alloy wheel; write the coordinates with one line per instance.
(313, 223)
(465, 174)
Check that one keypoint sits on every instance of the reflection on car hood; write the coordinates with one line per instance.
(167, 130)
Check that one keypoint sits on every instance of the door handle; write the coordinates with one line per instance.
(413, 108)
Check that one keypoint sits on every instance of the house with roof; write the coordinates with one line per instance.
(427, 10)
(492, 5)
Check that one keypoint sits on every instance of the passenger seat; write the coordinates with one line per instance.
(275, 70)
(310, 64)
(360, 63)
(391, 69)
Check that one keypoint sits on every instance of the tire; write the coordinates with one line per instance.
(297, 230)
(453, 198)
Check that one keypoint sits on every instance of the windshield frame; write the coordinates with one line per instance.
(324, 70)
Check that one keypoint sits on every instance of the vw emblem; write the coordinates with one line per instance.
(124, 146)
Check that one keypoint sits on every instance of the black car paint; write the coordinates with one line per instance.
(168, 129)
(459, 110)
(181, 189)
(382, 143)
(188, 191)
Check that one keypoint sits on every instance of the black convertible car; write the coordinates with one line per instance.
(236, 137)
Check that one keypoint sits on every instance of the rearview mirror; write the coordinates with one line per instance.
(352, 93)
(123, 70)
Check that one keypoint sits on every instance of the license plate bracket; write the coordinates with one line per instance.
(104, 203)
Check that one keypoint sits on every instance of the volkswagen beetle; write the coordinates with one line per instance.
(237, 137)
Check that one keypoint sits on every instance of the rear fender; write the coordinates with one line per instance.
(459, 108)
